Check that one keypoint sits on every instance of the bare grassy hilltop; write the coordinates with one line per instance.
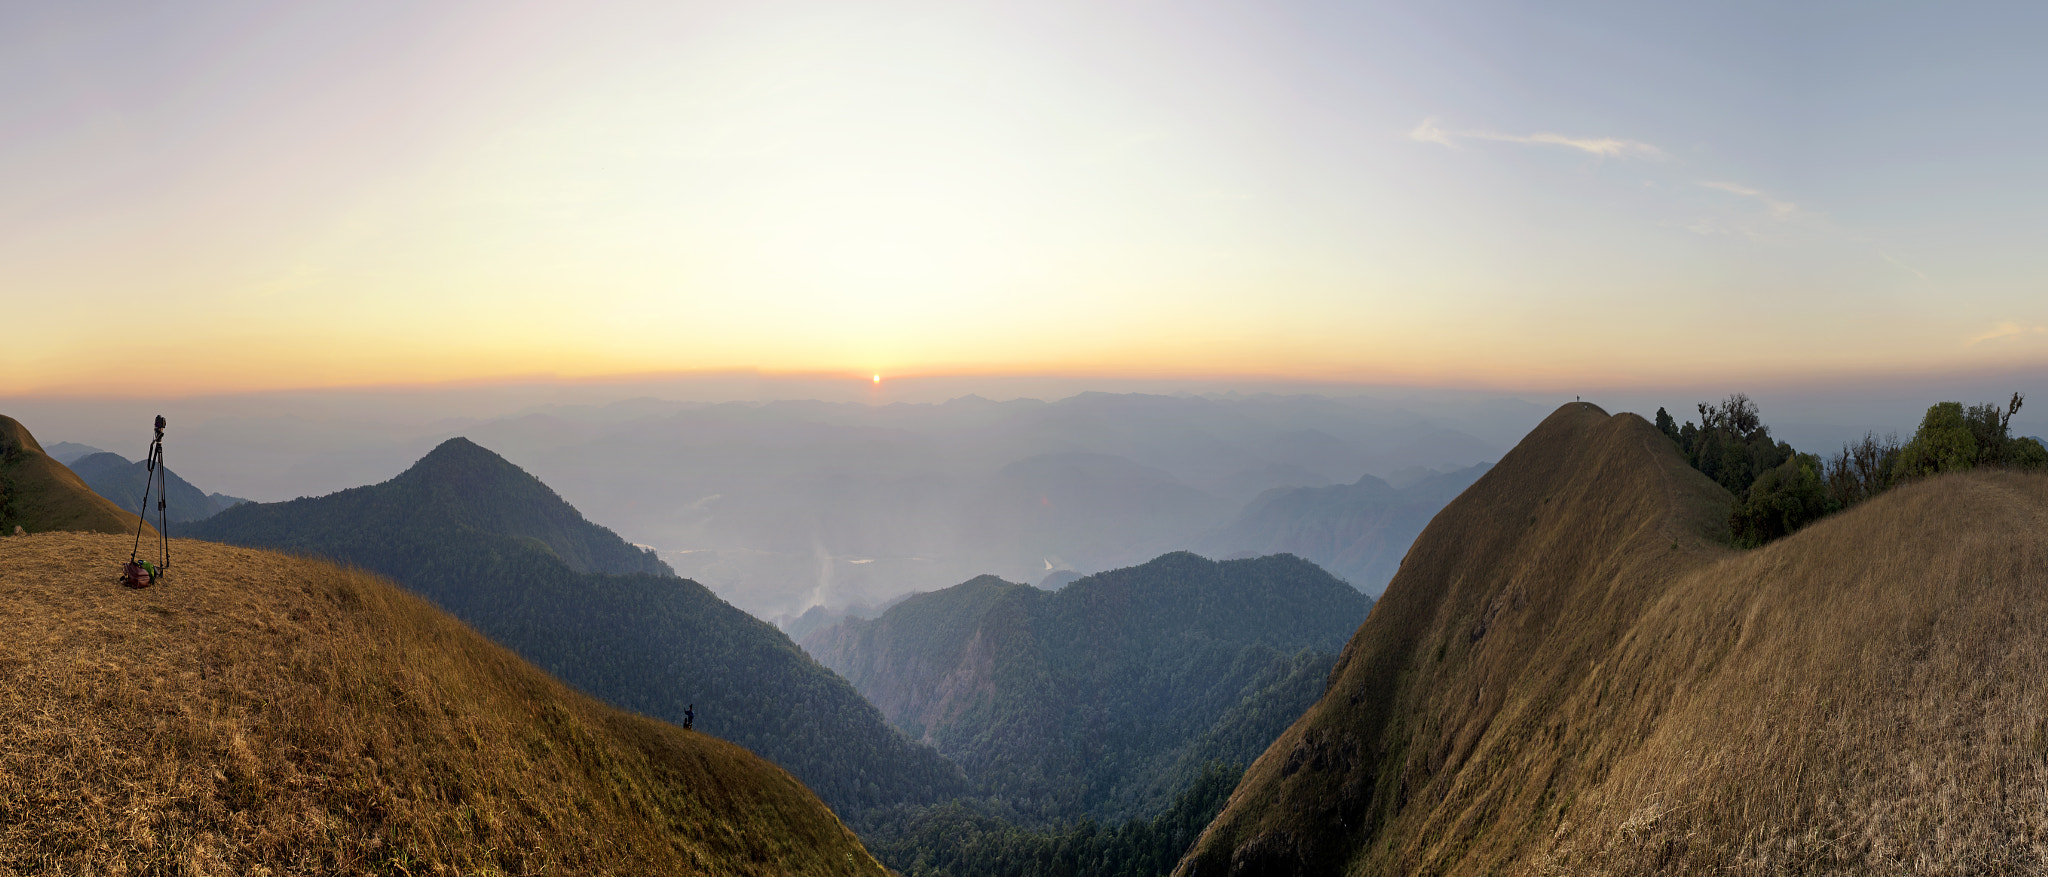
(1572, 674)
(261, 714)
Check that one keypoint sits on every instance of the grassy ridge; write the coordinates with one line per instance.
(1570, 674)
(39, 494)
(256, 713)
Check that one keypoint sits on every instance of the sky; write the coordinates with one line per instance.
(219, 197)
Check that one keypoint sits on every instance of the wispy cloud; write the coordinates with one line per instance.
(2007, 329)
(1605, 147)
(1779, 209)
(1908, 268)
(1428, 132)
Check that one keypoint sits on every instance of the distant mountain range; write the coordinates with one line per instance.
(1107, 697)
(65, 452)
(122, 483)
(779, 506)
(500, 550)
(1358, 531)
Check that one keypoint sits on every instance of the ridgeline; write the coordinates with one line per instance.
(1109, 697)
(122, 482)
(1572, 672)
(39, 495)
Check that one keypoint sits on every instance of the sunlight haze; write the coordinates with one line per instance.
(273, 196)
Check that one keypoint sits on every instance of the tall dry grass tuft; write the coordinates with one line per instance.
(262, 714)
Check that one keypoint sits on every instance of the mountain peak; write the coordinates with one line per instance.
(463, 483)
(459, 452)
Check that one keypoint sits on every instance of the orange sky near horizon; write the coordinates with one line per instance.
(230, 197)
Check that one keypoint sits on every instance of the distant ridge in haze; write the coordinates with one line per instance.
(1573, 673)
(1356, 531)
(498, 549)
(123, 483)
(65, 452)
(1107, 697)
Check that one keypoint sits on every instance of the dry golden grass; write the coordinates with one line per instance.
(1570, 675)
(1868, 696)
(261, 714)
(48, 496)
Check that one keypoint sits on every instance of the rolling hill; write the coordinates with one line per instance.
(258, 713)
(1572, 673)
(38, 494)
(496, 548)
(1106, 698)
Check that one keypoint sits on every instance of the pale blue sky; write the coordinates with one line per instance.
(1510, 195)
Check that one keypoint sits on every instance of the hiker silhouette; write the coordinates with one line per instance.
(689, 716)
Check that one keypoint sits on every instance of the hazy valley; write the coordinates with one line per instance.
(1573, 667)
(999, 439)
(779, 506)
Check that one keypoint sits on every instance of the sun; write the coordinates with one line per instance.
(878, 379)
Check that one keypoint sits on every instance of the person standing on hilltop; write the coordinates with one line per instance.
(689, 716)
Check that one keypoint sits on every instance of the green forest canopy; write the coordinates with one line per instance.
(1778, 490)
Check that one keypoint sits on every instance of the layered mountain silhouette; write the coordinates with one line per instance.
(1572, 673)
(1357, 531)
(259, 713)
(122, 483)
(1107, 697)
(65, 452)
(38, 494)
(498, 549)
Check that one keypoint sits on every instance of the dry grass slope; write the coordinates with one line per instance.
(1569, 675)
(257, 713)
(46, 496)
(1868, 695)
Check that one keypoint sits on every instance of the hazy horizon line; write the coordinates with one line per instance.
(747, 384)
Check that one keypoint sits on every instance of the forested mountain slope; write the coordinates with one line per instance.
(1572, 673)
(256, 713)
(495, 547)
(38, 494)
(1107, 697)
